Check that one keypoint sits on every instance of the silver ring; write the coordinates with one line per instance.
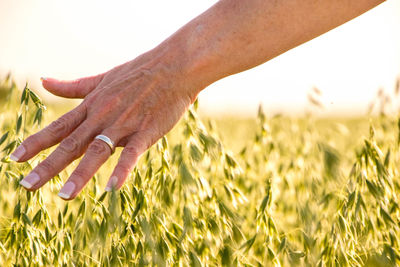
(106, 140)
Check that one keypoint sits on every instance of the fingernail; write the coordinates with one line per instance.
(67, 190)
(43, 79)
(111, 183)
(30, 180)
(18, 153)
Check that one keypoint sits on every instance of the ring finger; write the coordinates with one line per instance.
(97, 153)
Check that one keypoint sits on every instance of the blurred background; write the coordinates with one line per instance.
(349, 65)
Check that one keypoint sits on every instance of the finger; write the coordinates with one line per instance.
(97, 153)
(127, 161)
(72, 89)
(69, 149)
(51, 135)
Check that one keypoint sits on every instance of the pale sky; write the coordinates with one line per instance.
(72, 39)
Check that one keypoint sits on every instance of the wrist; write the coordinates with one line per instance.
(194, 55)
(166, 66)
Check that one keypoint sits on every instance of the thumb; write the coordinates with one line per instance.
(72, 89)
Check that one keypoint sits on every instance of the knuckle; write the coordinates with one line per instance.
(88, 101)
(97, 147)
(80, 84)
(32, 141)
(82, 87)
(57, 127)
(80, 174)
(131, 151)
(62, 124)
(75, 115)
(70, 145)
(46, 167)
(124, 168)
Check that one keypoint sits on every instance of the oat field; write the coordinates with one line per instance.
(264, 191)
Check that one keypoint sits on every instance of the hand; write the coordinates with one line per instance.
(134, 104)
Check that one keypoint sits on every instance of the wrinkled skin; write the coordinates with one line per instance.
(133, 104)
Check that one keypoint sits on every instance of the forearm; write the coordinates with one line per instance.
(235, 35)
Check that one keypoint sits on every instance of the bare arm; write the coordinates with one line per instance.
(138, 102)
(236, 35)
